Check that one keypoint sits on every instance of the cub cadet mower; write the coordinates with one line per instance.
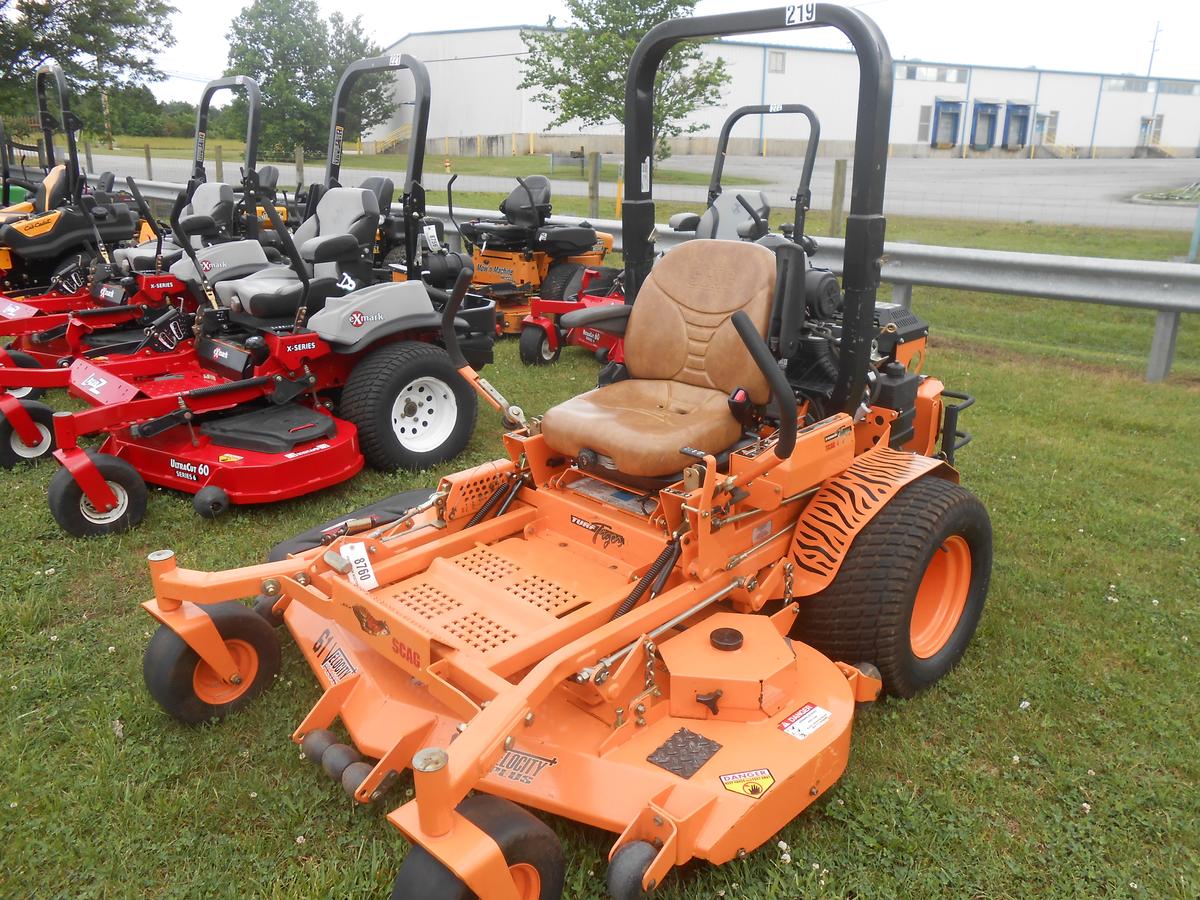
(745, 216)
(50, 248)
(592, 626)
(523, 255)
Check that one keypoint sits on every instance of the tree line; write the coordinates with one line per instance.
(108, 52)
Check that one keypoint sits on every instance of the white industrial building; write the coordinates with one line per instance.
(938, 108)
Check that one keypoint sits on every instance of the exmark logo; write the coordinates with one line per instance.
(358, 318)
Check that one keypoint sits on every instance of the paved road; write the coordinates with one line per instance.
(1075, 192)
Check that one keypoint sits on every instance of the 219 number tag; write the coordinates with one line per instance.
(800, 14)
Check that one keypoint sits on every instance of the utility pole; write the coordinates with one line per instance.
(1154, 47)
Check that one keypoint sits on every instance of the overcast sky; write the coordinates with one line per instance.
(1052, 34)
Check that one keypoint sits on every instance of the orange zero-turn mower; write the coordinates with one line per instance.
(523, 255)
(657, 615)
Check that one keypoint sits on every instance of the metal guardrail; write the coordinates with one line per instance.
(1170, 289)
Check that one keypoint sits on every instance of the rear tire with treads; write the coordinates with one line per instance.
(411, 407)
(911, 589)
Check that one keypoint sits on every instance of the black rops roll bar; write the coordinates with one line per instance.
(67, 121)
(412, 200)
(803, 197)
(864, 225)
(253, 122)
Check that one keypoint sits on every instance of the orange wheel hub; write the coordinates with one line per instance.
(208, 684)
(527, 880)
(941, 597)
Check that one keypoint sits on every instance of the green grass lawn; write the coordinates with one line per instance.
(1059, 759)
(510, 166)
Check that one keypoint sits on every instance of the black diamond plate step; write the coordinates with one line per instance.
(684, 752)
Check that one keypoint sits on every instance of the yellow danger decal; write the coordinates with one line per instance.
(229, 458)
(753, 784)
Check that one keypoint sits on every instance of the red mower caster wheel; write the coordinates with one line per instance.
(532, 851)
(210, 502)
(628, 868)
(22, 360)
(336, 758)
(314, 744)
(189, 689)
(74, 512)
(14, 450)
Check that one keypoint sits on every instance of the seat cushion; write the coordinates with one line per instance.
(141, 258)
(497, 235)
(641, 425)
(267, 294)
(565, 240)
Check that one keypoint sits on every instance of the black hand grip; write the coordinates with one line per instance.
(181, 200)
(785, 400)
(758, 222)
(449, 335)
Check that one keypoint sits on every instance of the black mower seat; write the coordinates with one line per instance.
(383, 189)
(516, 208)
(684, 359)
(497, 235)
(565, 240)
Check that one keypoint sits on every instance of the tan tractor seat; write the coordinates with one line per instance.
(684, 359)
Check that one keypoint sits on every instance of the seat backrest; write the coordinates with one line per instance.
(680, 328)
(721, 220)
(52, 192)
(343, 211)
(214, 199)
(268, 181)
(516, 206)
(383, 189)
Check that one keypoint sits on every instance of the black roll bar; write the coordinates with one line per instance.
(412, 199)
(865, 223)
(803, 197)
(253, 124)
(67, 121)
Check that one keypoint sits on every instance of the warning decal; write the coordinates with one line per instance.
(805, 721)
(753, 784)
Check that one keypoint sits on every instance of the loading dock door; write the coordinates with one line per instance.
(983, 127)
(1016, 126)
(946, 115)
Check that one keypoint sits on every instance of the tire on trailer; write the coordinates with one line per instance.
(74, 512)
(22, 360)
(189, 689)
(535, 346)
(411, 407)
(910, 592)
(531, 849)
(14, 450)
(558, 280)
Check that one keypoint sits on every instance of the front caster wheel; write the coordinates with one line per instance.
(76, 514)
(22, 360)
(535, 348)
(532, 851)
(628, 868)
(14, 450)
(189, 689)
